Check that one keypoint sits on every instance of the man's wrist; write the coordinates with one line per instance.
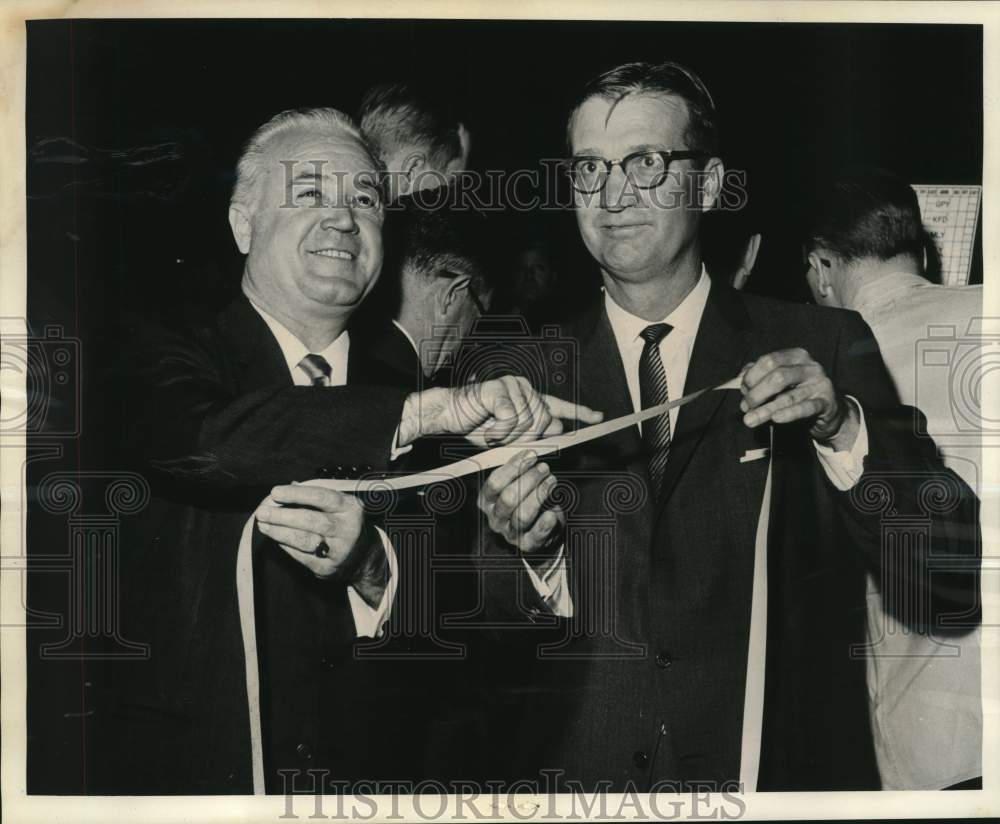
(369, 572)
(409, 421)
(421, 415)
(365, 557)
(842, 438)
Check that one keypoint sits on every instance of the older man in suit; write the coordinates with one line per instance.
(234, 408)
(709, 566)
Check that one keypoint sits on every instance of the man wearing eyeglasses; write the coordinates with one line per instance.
(708, 566)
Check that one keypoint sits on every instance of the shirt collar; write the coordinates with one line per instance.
(684, 318)
(294, 350)
(884, 289)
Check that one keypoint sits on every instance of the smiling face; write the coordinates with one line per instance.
(634, 234)
(313, 235)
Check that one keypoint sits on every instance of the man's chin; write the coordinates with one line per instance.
(630, 268)
(337, 292)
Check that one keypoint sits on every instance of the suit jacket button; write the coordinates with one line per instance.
(663, 660)
(323, 472)
(639, 758)
(304, 752)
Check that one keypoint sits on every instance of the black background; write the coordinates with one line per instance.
(108, 242)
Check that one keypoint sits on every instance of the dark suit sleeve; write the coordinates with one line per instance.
(190, 422)
(904, 477)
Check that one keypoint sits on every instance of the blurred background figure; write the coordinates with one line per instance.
(417, 133)
(531, 286)
(867, 250)
(437, 280)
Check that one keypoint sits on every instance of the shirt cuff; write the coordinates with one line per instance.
(369, 621)
(395, 451)
(845, 468)
(553, 585)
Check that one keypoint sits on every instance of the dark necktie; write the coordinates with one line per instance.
(652, 392)
(317, 368)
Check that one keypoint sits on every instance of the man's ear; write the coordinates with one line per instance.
(239, 222)
(750, 254)
(711, 183)
(413, 165)
(746, 263)
(822, 269)
(460, 163)
(452, 291)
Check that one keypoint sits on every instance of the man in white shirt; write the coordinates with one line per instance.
(708, 567)
(234, 408)
(867, 250)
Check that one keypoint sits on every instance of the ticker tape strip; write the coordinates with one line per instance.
(498, 456)
(489, 459)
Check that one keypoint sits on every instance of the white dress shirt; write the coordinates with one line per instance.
(925, 692)
(844, 469)
(368, 621)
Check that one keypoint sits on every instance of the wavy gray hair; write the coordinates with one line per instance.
(250, 166)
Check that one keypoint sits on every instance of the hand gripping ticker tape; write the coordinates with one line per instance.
(489, 459)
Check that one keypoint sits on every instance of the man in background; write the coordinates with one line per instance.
(417, 134)
(438, 280)
(867, 250)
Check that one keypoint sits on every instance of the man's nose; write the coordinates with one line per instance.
(340, 218)
(618, 192)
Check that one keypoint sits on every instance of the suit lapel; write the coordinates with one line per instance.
(719, 352)
(387, 357)
(255, 354)
(603, 385)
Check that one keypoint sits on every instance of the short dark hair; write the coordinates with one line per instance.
(396, 115)
(438, 238)
(669, 78)
(865, 212)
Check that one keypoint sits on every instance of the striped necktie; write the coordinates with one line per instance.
(317, 368)
(652, 392)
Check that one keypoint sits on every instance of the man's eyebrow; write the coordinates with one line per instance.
(646, 147)
(306, 177)
(642, 147)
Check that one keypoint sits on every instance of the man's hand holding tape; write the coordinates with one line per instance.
(780, 387)
(325, 530)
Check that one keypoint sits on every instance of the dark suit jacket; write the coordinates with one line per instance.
(437, 693)
(646, 682)
(218, 422)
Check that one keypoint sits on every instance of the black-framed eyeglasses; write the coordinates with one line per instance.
(644, 170)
